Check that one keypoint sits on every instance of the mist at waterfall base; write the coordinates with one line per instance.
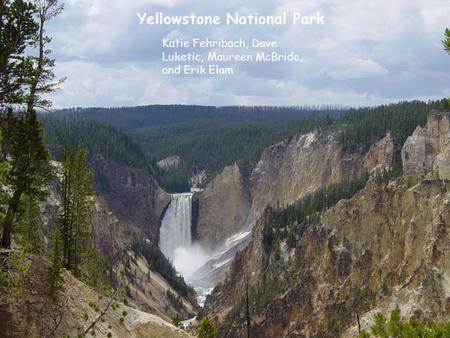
(188, 260)
(175, 242)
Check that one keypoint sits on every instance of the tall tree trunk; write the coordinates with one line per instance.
(9, 219)
(40, 65)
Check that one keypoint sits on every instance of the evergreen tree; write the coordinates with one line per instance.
(24, 78)
(28, 225)
(207, 329)
(28, 159)
(18, 29)
(397, 327)
(446, 41)
(77, 191)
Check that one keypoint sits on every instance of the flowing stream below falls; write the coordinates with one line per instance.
(175, 242)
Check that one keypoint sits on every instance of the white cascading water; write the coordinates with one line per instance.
(175, 231)
(175, 242)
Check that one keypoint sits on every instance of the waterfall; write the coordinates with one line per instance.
(175, 231)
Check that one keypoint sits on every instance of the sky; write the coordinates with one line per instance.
(367, 53)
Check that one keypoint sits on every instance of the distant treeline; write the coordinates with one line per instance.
(364, 126)
(156, 115)
(210, 138)
(98, 137)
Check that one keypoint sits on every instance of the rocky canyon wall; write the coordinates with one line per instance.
(388, 246)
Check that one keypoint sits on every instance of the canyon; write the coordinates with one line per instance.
(206, 253)
(385, 247)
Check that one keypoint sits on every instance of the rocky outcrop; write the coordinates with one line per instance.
(380, 156)
(377, 249)
(387, 246)
(289, 171)
(222, 208)
(286, 173)
(37, 314)
(198, 180)
(169, 162)
(134, 197)
(428, 149)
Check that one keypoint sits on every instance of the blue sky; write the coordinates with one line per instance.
(367, 53)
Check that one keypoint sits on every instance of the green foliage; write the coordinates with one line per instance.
(174, 300)
(26, 73)
(77, 200)
(28, 160)
(207, 329)
(307, 212)
(18, 29)
(28, 225)
(99, 138)
(397, 327)
(211, 145)
(365, 126)
(205, 137)
(446, 41)
(176, 321)
(209, 138)
(264, 294)
(13, 267)
(159, 263)
(159, 115)
(173, 179)
(56, 263)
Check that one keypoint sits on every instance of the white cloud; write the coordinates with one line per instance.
(357, 68)
(367, 53)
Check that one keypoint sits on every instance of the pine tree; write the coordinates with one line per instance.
(207, 329)
(28, 159)
(396, 326)
(56, 263)
(446, 41)
(77, 191)
(18, 29)
(24, 77)
(28, 225)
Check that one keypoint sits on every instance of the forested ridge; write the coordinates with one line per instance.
(365, 126)
(210, 138)
(154, 115)
(98, 137)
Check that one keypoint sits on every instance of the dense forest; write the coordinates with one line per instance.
(226, 134)
(156, 115)
(98, 137)
(210, 138)
(364, 126)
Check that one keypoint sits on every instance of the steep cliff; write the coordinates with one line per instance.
(286, 172)
(134, 197)
(222, 208)
(289, 171)
(121, 250)
(428, 149)
(387, 246)
(123, 245)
